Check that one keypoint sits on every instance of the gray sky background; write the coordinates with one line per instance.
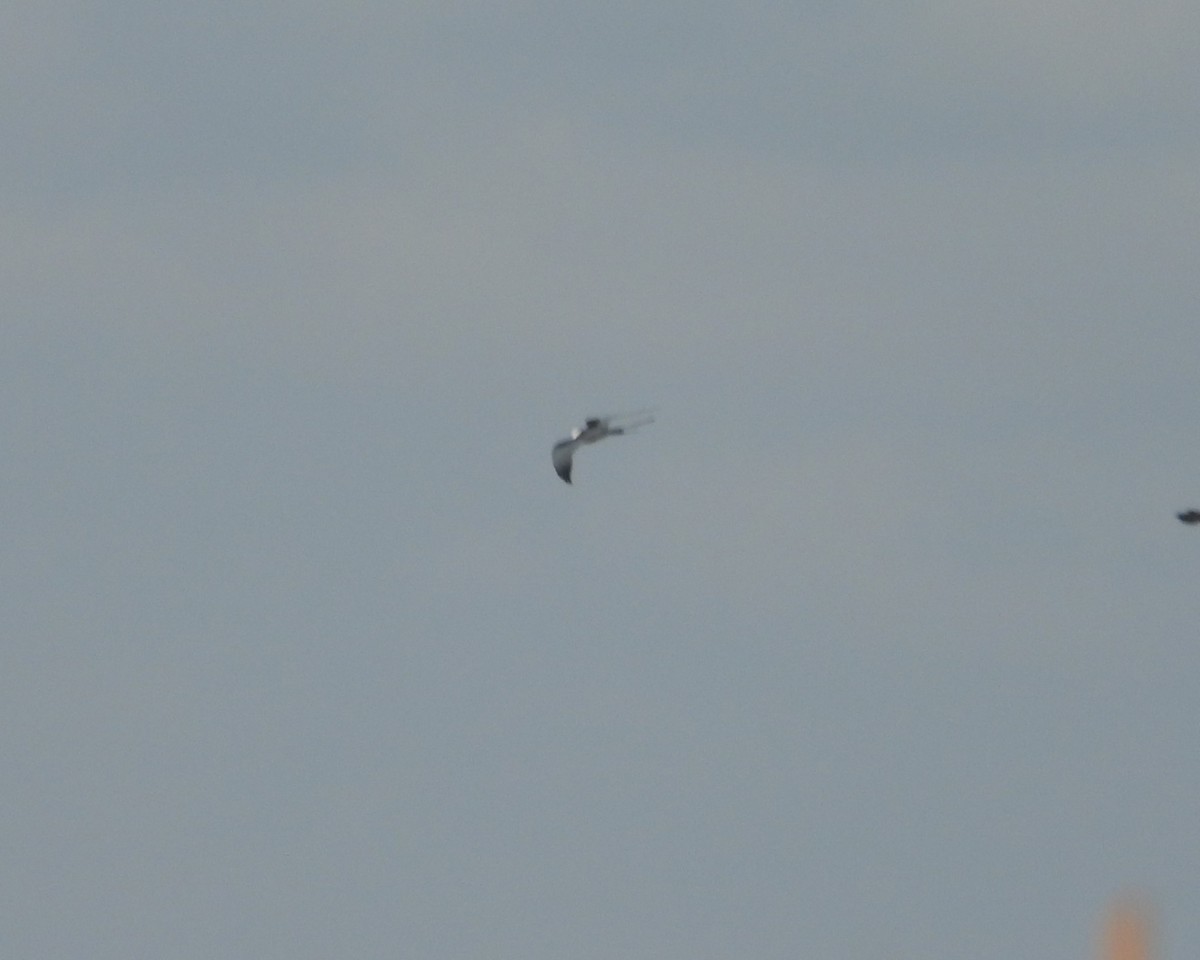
(881, 642)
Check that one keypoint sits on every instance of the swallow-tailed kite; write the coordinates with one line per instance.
(592, 431)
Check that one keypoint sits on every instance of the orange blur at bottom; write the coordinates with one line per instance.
(1127, 933)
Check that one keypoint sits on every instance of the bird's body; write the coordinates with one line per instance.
(593, 430)
(1189, 516)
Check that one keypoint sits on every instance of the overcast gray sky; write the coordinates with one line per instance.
(881, 642)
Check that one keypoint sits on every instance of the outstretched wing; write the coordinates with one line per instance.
(618, 423)
(628, 426)
(561, 455)
(625, 417)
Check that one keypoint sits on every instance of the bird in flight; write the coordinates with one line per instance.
(594, 430)
(1189, 516)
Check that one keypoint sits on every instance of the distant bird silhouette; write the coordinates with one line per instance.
(593, 430)
(1189, 516)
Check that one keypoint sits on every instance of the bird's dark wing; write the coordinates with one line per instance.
(561, 455)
